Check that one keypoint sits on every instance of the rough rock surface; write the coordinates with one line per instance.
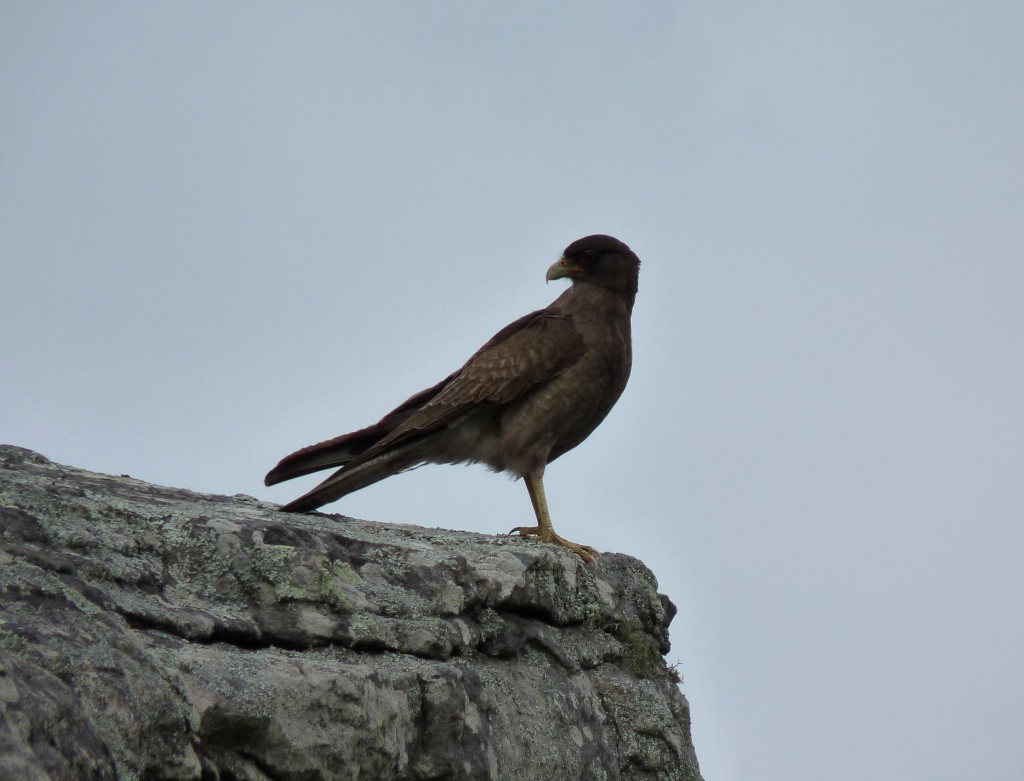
(156, 633)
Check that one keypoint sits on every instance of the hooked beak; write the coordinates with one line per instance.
(562, 268)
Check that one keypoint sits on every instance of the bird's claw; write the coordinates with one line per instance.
(538, 534)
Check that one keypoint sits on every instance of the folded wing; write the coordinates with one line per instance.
(518, 360)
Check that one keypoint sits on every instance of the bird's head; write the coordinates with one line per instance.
(600, 260)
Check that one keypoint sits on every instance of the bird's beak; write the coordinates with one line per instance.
(560, 269)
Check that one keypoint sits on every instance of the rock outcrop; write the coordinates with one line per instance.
(156, 633)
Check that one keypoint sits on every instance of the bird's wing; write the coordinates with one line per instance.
(532, 350)
(525, 354)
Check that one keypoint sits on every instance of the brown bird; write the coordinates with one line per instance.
(532, 393)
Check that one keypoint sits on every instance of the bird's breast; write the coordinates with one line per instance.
(561, 413)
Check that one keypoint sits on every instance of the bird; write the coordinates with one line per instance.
(533, 392)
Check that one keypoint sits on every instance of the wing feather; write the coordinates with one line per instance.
(525, 354)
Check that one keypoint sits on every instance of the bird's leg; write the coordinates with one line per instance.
(544, 531)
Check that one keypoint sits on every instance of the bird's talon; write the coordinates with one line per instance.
(538, 534)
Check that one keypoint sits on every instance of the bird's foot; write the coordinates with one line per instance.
(539, 534)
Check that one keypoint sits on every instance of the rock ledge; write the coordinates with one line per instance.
(155, 633)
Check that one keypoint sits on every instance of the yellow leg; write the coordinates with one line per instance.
(544, 531)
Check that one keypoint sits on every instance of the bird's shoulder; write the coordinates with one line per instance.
(529, 351)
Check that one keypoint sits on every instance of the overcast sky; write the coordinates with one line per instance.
(228, 230)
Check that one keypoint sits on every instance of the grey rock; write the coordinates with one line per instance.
(156, 633)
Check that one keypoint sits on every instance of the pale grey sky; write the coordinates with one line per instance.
(228, 230)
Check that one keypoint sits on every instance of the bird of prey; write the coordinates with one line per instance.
(537, 389)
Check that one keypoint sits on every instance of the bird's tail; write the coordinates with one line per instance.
(359, 475)
(325, 455)
(353, 447)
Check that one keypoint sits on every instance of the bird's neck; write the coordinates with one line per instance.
(584, 297)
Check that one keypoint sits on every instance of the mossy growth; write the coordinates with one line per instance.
(639, 650)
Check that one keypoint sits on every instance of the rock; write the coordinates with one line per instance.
(156, 633)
